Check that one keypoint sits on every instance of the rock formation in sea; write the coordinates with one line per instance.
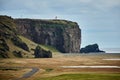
(94, 48)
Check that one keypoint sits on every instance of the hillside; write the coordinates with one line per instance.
(32, 46)
(8, 38)
(14, 45)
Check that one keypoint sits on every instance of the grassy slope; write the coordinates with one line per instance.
(32, 45)
(15, 48)
(8, 33)
(90, 76)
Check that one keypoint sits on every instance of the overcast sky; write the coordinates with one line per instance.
(99, 20)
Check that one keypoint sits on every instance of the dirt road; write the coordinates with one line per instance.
(29, 74)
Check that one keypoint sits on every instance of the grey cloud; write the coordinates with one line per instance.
(57, 6)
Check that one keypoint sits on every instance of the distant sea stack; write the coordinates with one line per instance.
(93, 48)
(62, 34)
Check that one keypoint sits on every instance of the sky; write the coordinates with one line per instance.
(99, 20)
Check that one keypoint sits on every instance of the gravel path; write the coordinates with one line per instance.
(29, 74)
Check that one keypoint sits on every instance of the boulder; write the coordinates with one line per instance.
(41, 53)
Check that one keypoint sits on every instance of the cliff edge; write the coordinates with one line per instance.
(62, 34)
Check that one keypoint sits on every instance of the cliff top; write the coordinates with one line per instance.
(50, 22)
(45, 22)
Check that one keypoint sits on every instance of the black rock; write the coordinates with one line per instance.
(94, 48)
(41, 53)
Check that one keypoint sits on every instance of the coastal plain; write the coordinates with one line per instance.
(50, 68)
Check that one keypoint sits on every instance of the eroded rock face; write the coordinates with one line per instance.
(63, 35)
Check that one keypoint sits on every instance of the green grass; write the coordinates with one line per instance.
(32, 45)
(48, 69)
(47, 47)
(56, 23)
(15, 48)
(87, 76)
(6, 69)
(8, 23)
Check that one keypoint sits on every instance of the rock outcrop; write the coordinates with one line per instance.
(94, 48)
(61, 34)
(41, 53)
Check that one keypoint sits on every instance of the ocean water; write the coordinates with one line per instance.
(111, 50)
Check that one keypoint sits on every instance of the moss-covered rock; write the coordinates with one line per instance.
(41, 53)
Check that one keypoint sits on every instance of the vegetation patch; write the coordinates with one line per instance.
(51, 48)
(90, 76)
(18, 42)
(8, 32)
(32, 45)
(17, 54)
(54, 23)
(48, 69)
(3, 49)
(9, 68)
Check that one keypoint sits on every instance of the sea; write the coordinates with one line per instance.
(111, 50)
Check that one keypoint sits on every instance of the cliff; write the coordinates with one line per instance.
(14, 45)
(61, 34)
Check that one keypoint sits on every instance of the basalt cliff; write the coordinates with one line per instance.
(37, 38)
(62, 34)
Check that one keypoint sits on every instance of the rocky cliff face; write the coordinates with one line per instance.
(63, 35)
